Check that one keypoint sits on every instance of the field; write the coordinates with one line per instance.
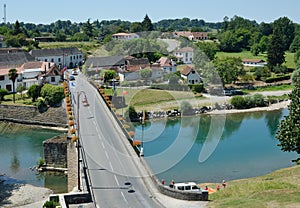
(278, 189)
(289, 57)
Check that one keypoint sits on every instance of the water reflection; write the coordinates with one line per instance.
(247, 147)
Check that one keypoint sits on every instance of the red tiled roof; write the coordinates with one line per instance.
(4, 72)
(186, 49)
(254, 60)
(186, 70)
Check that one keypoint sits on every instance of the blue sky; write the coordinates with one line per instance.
(41, 11)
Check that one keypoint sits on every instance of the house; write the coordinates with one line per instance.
(194, 36)
(95, 64)
(5, 82)
(167, 65)
(125, 36)
(254, 62)
(185, 55)
(132, 67)
(69, 57)
(40, 72)
(191, 75)
(13, 58)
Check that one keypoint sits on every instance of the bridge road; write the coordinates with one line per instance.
(116, 181)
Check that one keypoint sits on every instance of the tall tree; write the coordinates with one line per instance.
(17, 28)
(147, 24)
(289, 128)
(13, 74)
(88, 28)
(276, 50)
(286, 28)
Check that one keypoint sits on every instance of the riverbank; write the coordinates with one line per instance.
(20, 195)
(272, 107)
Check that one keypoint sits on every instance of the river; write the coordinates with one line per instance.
(188, 149)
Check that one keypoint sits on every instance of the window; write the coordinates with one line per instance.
(2, 78)
(52, 79)
(46, 60)
(52, 60)
(59, 59)
(180, 188)
(195, 188)
(8, 88)
(188, 188)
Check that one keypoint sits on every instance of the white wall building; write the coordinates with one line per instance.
(125, 36)
(69, 57)
(185, 55)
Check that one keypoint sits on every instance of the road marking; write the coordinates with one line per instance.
(103, 145)
(124, 198)
(106, 155)
(112, 169)
(116, 179)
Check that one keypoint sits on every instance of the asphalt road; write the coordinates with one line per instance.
(116, 179)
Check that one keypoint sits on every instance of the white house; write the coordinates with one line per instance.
(5, 82)
(185, 55)
(40, 72)
(125, 36)
(254, 62)
(69, 57)
(191, 75)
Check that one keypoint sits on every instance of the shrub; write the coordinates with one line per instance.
(70, 113)
(74, 139)
(238, 102)
(71, 117)
(71, 123)
(40, 162)
(136, 143)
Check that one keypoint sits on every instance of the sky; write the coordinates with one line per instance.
(48, 11)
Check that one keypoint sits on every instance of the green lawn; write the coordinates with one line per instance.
(278, 189)
(247, 54)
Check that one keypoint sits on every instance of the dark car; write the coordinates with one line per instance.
(71, 78)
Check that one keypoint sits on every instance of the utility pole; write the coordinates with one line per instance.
(4, 17)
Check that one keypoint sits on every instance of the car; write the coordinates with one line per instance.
(71, 78)
(74, 73)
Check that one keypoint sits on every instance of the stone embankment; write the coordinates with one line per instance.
(53, 117)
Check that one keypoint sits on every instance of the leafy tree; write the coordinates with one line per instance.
(229, 68)
(286, 29)
(131, 114)
(229, 42)
(109, 75)
(136, 27)
(238, 102)
(264, 44)
(296, 76)
(88, 28)
(53, 95)
(3, 92)
(295, 44)
(265, 29)
(17, 28)
(276, 50)
(147, 24)
(174, 78)
(13, 74)
(255, 49)
(60, 36)
(33, 92)
(297, 56)
(289, 128)
(209, 48)
(261, 72)
(146, 74)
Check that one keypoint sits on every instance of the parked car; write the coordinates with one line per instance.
(71, 78)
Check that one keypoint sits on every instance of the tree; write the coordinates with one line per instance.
(146, 74)
(53, 95)
(136, 27)
(289, 128)
(3, 92)
(286, 29)
(186, 108)
(209, 48)
(229, 69)
(20, 90)
(88, 28)
(33, 92)
(17, 28)
(109, 75)
(295, 44)
(147, 24)
(13, 74)
(276, 50)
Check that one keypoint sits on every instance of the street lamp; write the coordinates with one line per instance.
(85, 103)
(142, 119)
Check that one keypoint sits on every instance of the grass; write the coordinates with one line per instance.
(289, 57)
(88, 47)
(278, 189)
(271, 88)
(19, 100)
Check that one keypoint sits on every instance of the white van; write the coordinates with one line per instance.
(188, 186)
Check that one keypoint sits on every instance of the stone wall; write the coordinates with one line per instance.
(55, 152)
(53, 117)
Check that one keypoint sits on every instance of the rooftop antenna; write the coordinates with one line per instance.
(4, 18)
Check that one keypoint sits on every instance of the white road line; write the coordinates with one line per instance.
(106, 155)
(103, 145)
(124, 198)
(112, 169)
(116, 179)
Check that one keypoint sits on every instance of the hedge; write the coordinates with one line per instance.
(278, 79)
